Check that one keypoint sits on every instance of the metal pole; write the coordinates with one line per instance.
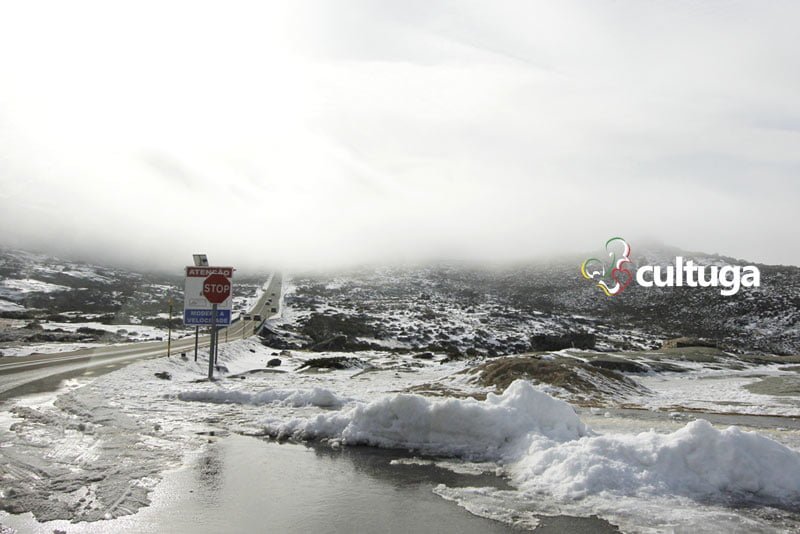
(213, 335)
(196, 338)
(216, 347)
(169, 327)
(244, 325)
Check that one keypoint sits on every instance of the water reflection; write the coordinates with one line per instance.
(376, 463)
(209, 472)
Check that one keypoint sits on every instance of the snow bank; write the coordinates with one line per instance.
(695, 461)
(545, 448)
(289, 397)
(457, 427)
(29, 285)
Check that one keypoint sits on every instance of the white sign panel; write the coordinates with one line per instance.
(196, 308)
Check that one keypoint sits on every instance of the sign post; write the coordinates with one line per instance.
(169, 329)
(211, 345)
(207, 301)
(216, 290)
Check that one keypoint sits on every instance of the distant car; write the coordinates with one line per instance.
(257, 318)
(274, 310)
(246, 317)
(273, 294)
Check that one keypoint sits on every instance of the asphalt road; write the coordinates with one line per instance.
(43, 372)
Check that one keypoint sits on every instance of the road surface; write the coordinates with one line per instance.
(43, 372)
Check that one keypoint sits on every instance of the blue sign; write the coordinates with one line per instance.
(203, 317)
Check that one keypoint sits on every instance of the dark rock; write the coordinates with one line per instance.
(334, 362)
(662, 367)
(278, 339)
(336, 343)
(274, 362)
(551, 342)
(683, 342)
(424, 356)
(320, 327)
(163, 375)
(618, 364)
(342, 343)
(91, 331)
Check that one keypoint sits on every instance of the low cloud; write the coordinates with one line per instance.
(323, 134)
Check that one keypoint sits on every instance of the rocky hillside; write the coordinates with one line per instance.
(765, 319)
(468, 310)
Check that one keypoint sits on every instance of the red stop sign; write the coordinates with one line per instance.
(216, 288)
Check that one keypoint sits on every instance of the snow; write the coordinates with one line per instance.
(142, 332)
(696, 461)
(679, 476)
(455, 427)
(87, 273)
(715, 390)
(546, 448)
(287, 397)
(6, 306)
(30, 285)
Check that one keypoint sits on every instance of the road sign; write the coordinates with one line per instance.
(203, 317)
(196, 307)
(216, 288)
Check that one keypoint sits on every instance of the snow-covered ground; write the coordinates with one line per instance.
(11, 287)
(719, 390)
(684, 476)
(8, 306)
(135, 332)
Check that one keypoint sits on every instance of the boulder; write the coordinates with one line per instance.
(572, 340)
(619, 364)
(683, 342)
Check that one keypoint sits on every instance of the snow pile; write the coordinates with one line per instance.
(696, 461)
(288, 397)
(545, 447)
(455, 427)
(29, 285)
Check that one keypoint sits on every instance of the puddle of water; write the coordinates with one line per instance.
(245, 484)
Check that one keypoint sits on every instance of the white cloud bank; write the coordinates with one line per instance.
(322, 133)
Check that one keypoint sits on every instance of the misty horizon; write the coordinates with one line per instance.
(322, 135)
(643, 247)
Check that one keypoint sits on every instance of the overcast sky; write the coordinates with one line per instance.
(319, 133)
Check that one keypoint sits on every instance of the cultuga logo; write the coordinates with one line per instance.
(615, 276)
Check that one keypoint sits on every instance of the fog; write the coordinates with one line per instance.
(321, 134)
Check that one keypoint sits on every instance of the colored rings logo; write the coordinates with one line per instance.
(614, 277)
(620, 276)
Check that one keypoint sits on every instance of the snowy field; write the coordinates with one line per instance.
(102, 445)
